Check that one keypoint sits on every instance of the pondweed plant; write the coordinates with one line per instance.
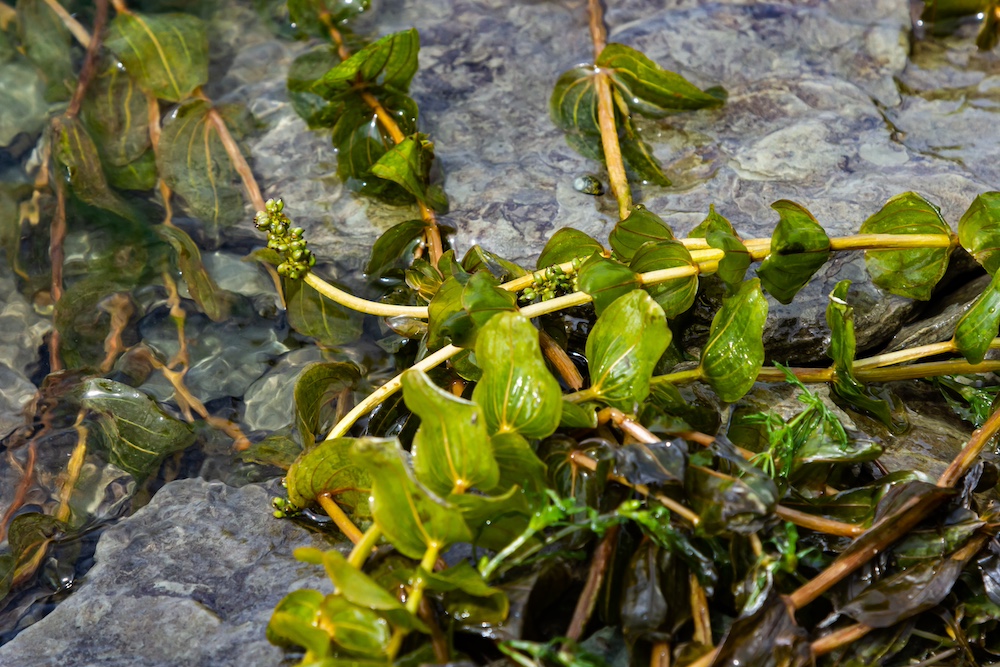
(544, 420)
(703, 552)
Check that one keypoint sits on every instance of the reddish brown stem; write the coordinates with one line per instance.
(588, 598)
(89, 67)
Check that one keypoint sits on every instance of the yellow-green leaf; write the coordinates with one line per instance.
(734, 353)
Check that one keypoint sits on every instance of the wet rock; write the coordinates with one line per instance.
(270, 401)
(21, 332)
(939, 325)
(191, 579)
(810, 86)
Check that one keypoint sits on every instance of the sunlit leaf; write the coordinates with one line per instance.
(451, 450)
(713, 222)
(483, 300)
(194, 163)
(799, 247)
(389, 63)
(47, 43)
(623, 347)
(979, 325)
(912, 272)
(28, 533)
(573, 104)
(355, 629)
(517, 391)
(605, 280)
(676, 295)
(137, 434)
(575, 415)
(979, 230)
(639, 227)
(316, 385)
(166, 53)
(565, 245)
(734, 353)
(77, 154)
(649, 89)
(843, 347)
(478, 259)
(390, 247)
(212, 300)
(408, 164)
(409, 516)
(117, 114)
(327, 468)
(468, 598)
(293, 625)
(518, 464)
(447, 322)
(312, 314)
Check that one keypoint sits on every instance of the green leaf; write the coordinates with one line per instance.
(517, 392)
(565, 245)
(137, 434)
(312, 314)
(482, 299)
(390, 247)
(518, 464)
(293, 623)
(447, 322)
(408, 163)
(912, 272)
(138, 175)
(328, 468)
(193, 162)
(468, 598)
(358, 588)
(799, 247)
(639, 159)
(361, 142)
(28, 533)
(979, 230)
(304, 71)
(605, 280)
(306, 14)
(116, 113)
(573, 105)
(623, 347)
(316, 385)
(736, 260)
(451, 450)
(575, 415)
(212, 300)
(674, 296)
(354, 629)
(278, 449)
(639, 227)
(76, 152)
(477, 259)
(649, 89)
(410, 517)
(166, 53)
(843, 347)
(979, 325)
(713, 222)
(48, 44)
(734, 353)
(389, 63)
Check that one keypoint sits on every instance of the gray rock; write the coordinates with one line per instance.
(190, 579)
(809, 87)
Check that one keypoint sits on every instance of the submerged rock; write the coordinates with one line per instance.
(190, 579)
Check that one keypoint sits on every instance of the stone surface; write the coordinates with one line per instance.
(190, 579)
(811, 87)
(21, 332)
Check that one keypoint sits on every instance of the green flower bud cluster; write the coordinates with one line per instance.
(550, 282)
(283, 508)
(284, 238)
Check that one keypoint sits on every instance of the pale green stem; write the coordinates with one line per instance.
(364, 547)
(416, 594)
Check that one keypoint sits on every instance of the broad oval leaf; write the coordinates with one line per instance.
(408, 164)
(648, 88)
(675, 296)
(482, 299)
(194, 163)
(138, 434)
(327, 468)
(117, 114)
(316, 385)
(518, 463)
(389, 63)
(735, 261)
(978, 326)
(353, 628)
(76, 151)
(734, 353)
(390, 247)
(799, 247)
(304, 71)
(605, 280)
(517, 392)
(447, 322)
(623, 347)
(911, 272)
(567, 244)
(641, 226)
(409, 516)
(573, 105)
(979, 230)
(166, 53)
(843, 347)
(358, 588)
(312, 314)
(469, 599)
(451, 450)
